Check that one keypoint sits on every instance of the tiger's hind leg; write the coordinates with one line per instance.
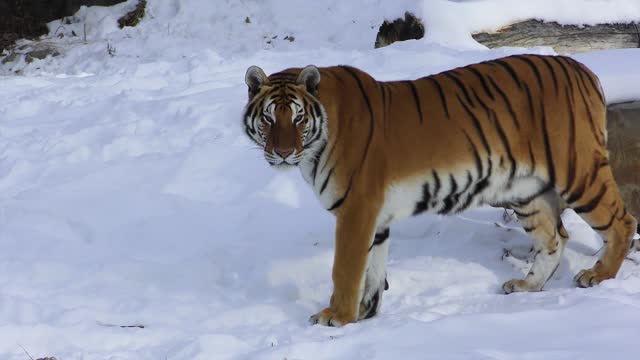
(601, 206)
(541, 220)
(376, 275)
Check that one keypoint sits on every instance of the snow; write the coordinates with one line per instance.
(129, 195)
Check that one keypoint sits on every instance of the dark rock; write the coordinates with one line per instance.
(399, 30)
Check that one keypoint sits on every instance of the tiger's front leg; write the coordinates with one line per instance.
(354, 232)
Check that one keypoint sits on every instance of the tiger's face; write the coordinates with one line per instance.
(283, 115)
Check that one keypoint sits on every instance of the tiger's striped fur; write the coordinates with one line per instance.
(524, 131)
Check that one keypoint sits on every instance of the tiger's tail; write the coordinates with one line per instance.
(623, 128)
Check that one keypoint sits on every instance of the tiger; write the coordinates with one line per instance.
(526, 132)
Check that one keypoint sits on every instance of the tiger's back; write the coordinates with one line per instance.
(462, 122)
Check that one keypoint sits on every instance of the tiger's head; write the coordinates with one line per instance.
(283, 115)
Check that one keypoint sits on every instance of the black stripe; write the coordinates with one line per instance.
(528, 200)
(593, 203)
(333, 147)
(250, 108)
(580, 73)
(577, 194)
(468, 199)
(317, 121)
(525, 215)
(476, 123)
(436, 187)
(528, 228)
(448, 200)
(624, 213)
(607, 225)
(326, 181)
(483, 81)
(589, 76)
(599, 136)
(317, 161)
(416, 99)
(507, 102)
(383, 91)
(479, 101)
(507, 147)
(373, 306)
(552, 72)
(510, 70)
(467, 185)
(530, 100)
(476, 155)
(339, 202)
(564, 69)
(484, 182)
(533, 66)
(366, 98)
(571, 173)
(250, 132)
(370, 137)
(317, 132)
(317, 109)
(379, 238)
(547, 147)
(441, 93)
(599, 166)
(591, 120)
(532, 159)
(423, 204)
(459, 84)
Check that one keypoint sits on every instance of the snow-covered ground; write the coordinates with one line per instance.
(129, 196)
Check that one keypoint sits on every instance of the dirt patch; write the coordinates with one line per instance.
(624, 151)
(27, 19)
(132, 18)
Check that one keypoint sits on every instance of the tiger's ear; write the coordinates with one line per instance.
(310, 78)
(255, 78)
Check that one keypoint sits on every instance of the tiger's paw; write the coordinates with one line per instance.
(588, 278)
(328, 317)
(520, 285)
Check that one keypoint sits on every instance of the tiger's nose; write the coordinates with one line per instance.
(284, 153)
